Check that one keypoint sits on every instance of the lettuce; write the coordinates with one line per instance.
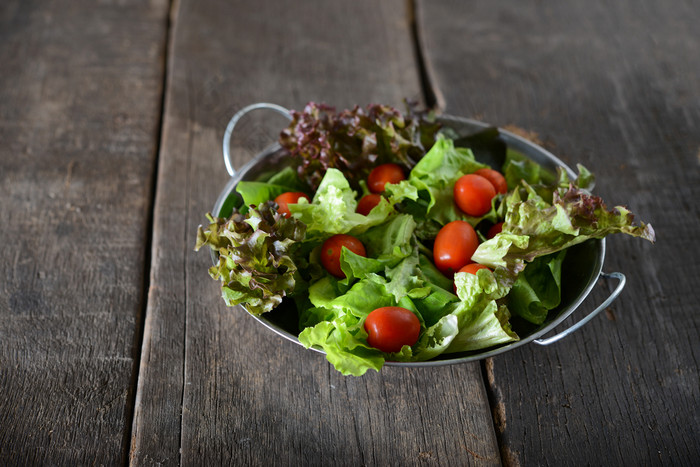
(537, 289)
(264, 258)
(354, 141)
(255, 256)
(344, 343)
(534, 227)
(482, 323)
(257, 192)
(332, 210)
(427, 194)
(338, 323)
(467, 321)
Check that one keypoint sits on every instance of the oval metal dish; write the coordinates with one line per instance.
(580, 272)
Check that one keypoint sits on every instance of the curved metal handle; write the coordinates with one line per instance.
(613, 275)
(234, 120)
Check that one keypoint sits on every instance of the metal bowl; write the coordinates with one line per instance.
(581, 269)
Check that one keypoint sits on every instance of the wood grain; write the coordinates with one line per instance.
(215, 387)
(80, 88)
(613, 86)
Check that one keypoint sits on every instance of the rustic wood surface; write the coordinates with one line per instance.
(80, 93)
(115, 346)
(613, 86)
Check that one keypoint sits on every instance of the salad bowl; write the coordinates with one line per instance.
(581, 270)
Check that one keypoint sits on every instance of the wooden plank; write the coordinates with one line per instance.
(215, 387)
(80, 89)
(613, 86)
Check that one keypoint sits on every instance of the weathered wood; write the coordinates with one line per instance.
(216, 387)
(612, 85)
(80, 89)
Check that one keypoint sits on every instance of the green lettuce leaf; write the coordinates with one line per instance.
(404, 280)
(481, 328)
(518, 167)
(357, 267)
(332, 210)
(288, 177)
(344, 350)
(431, 274)
(365, 296)
(427, 194)
(481, 322)
(256, 193)
(537, 289)
(339, 320)
(391, 241)
(435, 305)
(433, 341)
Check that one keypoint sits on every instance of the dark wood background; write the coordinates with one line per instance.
(115, 347)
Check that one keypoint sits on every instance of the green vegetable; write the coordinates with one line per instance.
(255, 193)
(537, 289)
(255, 251)
(258, 192)
(356, 140)
(332, 210)
(533, 227)
(452, 323)
(264, 258)
(338, 321)
(427, 194)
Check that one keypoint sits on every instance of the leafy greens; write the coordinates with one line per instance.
(264, 258)
(354, 141)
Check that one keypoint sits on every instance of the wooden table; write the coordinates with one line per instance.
(115, 346)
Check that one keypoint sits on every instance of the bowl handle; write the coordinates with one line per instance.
(234, 120)
(621, 285)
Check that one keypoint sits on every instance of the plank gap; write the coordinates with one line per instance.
(148, 244)
(426, 85)
(497, 407)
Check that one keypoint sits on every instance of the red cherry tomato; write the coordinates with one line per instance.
(496, 178)
(290, 197)
(331, 249)
(367, 203)
(494, 230)
(454, 246)
(383, 174)
(473, 194)
(391, 327)
(471, 268)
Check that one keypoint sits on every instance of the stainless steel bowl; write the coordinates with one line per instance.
(580, 272)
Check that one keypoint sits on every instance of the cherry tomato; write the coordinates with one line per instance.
(367, 203)
(473, 194)
(383, 174)
(331, 249)
(454, 246)
(391, 327)
(496, 178)
(471, 268)
(494, 230)
(290, 197)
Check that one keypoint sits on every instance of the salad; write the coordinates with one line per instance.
(392, 238)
